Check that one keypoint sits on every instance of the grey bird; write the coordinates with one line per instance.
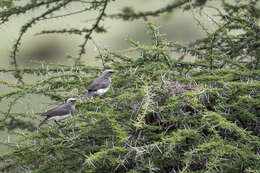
(60, 112)
(100, 85)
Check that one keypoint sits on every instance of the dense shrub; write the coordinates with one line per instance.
(163, 114)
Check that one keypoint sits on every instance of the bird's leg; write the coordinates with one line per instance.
(57, 122)
(60, 125)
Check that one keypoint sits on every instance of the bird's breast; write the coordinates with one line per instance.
(103, 90)
(73, 108)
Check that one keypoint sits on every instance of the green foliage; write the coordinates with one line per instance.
(5, 4)
(163, 114)
(52, 7)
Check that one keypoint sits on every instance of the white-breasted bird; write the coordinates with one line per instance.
(60, 112)
(100, 85)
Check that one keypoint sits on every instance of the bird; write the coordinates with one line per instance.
(100, 85)
(60, 112)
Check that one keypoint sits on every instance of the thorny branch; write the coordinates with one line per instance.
(95, 26)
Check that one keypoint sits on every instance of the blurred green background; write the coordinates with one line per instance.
(178, 26)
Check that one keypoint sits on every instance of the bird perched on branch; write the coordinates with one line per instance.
(60, 112)
(100, 85)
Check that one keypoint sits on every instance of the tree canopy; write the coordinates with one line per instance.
(163, 113)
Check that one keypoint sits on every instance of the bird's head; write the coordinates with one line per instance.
(108, 73)
(71, 100)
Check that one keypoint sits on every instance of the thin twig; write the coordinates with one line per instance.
(88, 35)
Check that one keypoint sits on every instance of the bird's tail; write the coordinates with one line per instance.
(43, 121)
(88, 95)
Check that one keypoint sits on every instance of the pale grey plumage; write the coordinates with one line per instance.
(100, 85)
(60, 112)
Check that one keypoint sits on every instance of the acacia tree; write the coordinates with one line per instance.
(164, 114)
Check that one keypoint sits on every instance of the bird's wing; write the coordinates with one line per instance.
(99, 83)
(58, 111)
